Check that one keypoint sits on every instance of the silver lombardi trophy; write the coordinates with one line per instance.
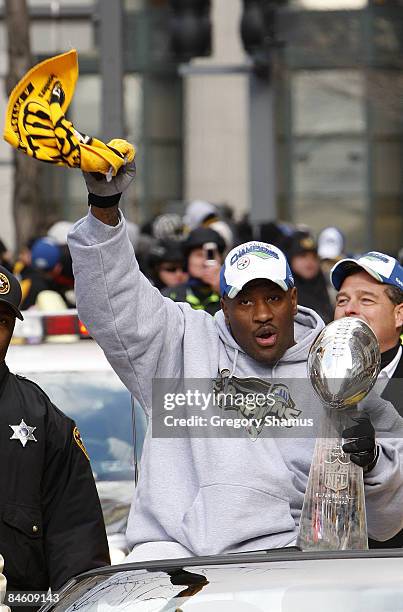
(343, 365)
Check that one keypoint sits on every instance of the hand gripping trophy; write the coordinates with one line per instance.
(343, 365)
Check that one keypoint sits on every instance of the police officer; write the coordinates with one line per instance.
(51, 524)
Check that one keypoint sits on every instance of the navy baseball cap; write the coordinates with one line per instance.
(10, 291)
(252, 260)
(383, 268)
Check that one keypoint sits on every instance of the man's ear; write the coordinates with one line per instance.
(399, 315)
(224, 308)
(294, 300)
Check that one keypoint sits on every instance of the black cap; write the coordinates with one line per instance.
(200, 236)
(10, 291)
(165, 251)
(300, 242)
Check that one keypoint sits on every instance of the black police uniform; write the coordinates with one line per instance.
(51, 524)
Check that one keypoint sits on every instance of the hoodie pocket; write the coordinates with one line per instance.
(223, 516)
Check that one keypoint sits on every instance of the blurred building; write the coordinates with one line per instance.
(338, 84)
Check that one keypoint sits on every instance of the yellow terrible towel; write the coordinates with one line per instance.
(37, 126)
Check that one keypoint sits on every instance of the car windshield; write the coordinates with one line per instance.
(102, 409)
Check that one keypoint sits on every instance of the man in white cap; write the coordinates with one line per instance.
(206, 494)
(371, 288)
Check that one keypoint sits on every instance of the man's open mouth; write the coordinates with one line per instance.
(266, 337)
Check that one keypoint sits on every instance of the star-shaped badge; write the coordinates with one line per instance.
(23, 433)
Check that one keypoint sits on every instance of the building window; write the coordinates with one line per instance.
(329, 152)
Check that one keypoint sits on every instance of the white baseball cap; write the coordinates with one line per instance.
(330, 243)
(252, 260)
(383, 268)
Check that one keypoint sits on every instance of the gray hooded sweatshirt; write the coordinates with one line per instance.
(198, 496)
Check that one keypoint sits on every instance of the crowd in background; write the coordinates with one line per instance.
(182, 257)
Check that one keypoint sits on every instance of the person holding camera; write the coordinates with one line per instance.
(203, 250)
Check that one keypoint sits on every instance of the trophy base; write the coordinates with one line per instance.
(333, 514)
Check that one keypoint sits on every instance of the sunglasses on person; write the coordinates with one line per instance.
(171, 268)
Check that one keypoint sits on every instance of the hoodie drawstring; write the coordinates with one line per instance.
(234, 363)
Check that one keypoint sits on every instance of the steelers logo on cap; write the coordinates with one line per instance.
(4, 284)
(243, 263)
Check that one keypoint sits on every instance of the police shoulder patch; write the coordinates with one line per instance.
(78, 440)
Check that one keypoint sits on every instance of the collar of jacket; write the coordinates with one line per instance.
(386, 357)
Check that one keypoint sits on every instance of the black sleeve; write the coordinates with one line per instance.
(74, 530)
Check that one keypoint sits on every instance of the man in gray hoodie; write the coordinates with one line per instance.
(209, 494)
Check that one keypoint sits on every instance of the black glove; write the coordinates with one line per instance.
(105, 193)
(360, 443)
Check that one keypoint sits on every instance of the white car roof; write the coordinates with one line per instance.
(79, 356)
(271, 584)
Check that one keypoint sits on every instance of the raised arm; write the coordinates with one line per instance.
(140, 331)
